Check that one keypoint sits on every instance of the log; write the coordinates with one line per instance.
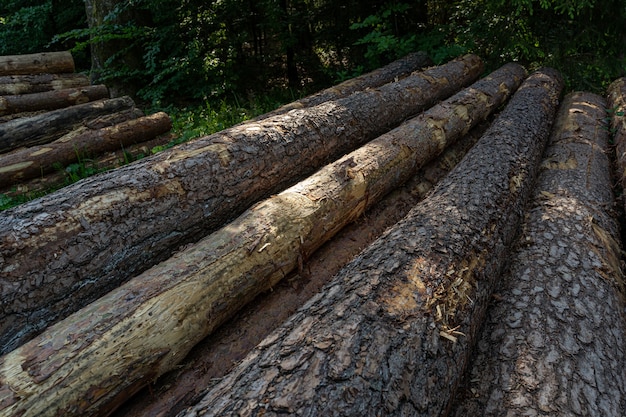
(140, 214)
(553, 341)
(616, 101)
(172, 306)
(44, 62)
(215, 355)
(49, 126)
(391, 333)
(28, 84)
(52, 100)
(38, 160)
(393, 71)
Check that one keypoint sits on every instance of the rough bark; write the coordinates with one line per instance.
(106, 229)
(191, 294)
(49, 126)
(214, 356)
(45, 62)
(51, 100)
(616, 101)
(37, 160)
(393, 71)
(553, 342)
(391, 333)
(28, 84)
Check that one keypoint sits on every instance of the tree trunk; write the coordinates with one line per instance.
(49, 126)
(45, 62)
(85, 240)
(33, 162)
(52, 100)
(28, 84)
(215, 355)
(616, 98)
(391, 333)
(389, 73)
(191, 294)
(553, 343)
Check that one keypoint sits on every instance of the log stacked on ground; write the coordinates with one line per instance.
(49, 126)
(191, 294)
(616, 101)
(553, 343)
(391, 333)
(51, 100)
(37, 160)
(62, 251)
(215, 355)
(39, 83)
(45, 62)
(393, 71)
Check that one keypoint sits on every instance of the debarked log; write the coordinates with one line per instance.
(38, 160)
(44, 62)
(49, 126)
(393, 71)
(553, 341)
(51, 100)
(93, 235)
(391, 333)
(120, 347)
(28, 84)
(616, 101)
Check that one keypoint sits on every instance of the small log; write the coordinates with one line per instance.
(178, 196)
(49, 126)
(44, 62)
(389, 73)
(28, 84)
(391, 333)
(37, 160)
(52, 100)
(553, 341)
(175, 304)
(616, 101)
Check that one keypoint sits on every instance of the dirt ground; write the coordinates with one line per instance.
(217, 354)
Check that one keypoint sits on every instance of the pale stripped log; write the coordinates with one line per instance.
(62, 251)
(120, 346)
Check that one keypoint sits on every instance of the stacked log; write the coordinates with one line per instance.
(41, 63)
(39, 83)
(553, 342)
(51, 100)
(86, 239)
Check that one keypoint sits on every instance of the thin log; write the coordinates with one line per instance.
(389, 73)
(44, 62)
(616, 101)
(141, 213)
(217, 354)
(37, 160)
(391, 333)
(28, 84)
(172, 306)
(553, 341)
(49, 126)
(52, 100)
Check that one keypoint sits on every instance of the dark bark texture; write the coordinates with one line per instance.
(70, 247)
(553, 341)
(393, 71)
(37, 160)
(616, 101)
(51, 100)
(49, 126)
(391, 333)
(28, 84)
(45, 62)
(196, 290)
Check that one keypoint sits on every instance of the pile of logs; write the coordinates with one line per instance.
(490, 281)
(51, 117)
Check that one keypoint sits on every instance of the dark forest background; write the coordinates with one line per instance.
(166, 52)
